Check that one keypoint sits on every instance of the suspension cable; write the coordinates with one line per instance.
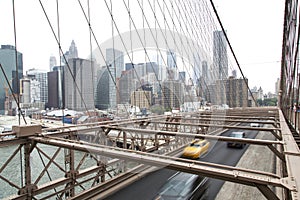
(17, 99)
(231, 49)
(67, 63)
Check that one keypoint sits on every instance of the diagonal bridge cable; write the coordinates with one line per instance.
(67, 63)
(231, 49)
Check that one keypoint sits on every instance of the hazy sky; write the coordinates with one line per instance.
(254, 28)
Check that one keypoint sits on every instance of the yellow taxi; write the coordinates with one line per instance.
(195, 149)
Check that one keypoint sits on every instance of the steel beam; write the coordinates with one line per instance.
(222, 173)
(292, 157)
(200, 136)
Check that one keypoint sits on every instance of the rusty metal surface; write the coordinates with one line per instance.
(149, 135)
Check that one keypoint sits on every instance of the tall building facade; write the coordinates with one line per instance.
(115, 61)
(8, 62)
(79, 84)
(205, 72)
(53, 89)
(35, 91)
(220, 58)
(171, 59)
(72, 53)
(52, 63)
(58, 78)
(25, 90)
(41, 77)
(197, 71)
(141, 99)
(236, 92)
(127, 84)
(172, 94)
(232, 92)
(102, 89)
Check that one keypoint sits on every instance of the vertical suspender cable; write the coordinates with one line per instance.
(61, 71)
(17, 71)
(91, 49)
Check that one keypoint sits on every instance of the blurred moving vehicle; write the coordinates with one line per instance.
(236, 135)
(254, 125)
(195, 149)
(184, 186)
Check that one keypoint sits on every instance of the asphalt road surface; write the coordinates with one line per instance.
(147, 187)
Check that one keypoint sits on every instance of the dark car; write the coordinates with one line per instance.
(236, 135)
(183, 186)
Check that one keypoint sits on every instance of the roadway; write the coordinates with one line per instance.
(147, 187)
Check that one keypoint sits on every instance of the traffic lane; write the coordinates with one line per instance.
(145, 188)
(221, 154)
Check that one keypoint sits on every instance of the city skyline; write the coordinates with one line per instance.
(251, 38)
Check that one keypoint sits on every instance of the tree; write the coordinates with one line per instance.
(267, 102)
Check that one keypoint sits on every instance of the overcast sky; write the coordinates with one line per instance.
(254, 28)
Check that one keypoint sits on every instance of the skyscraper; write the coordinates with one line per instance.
(172, 94)
(127, 84)
(102, 89)
(53, 89)
(171, 59)
(220, 58)
(196, 68)
(41, 77)
(205, 71)
(232, 92)
(52, 62)
(79, 84)
(72, 53)
(182, 77)
(115, 58)
(8, 62)
(115, 61)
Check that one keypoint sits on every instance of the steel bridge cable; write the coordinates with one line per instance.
(147, 56)
(67, 63)
(10, 88)
(114, 52)
(195, 39)
(107, 65)
(191, 47)
(60, 67)
(235, 58)
(175, 27)
(187, 29)
(165, 22)
(167, 25)
(223, 72)
(152, 32)
(91, 49)
(154, 37)
(16, 61)
(126, 50)
(97, 43)
(229, 61)
(291, 74)
(124, 43)
(17, 99)
(197, 22)
(171, 15)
